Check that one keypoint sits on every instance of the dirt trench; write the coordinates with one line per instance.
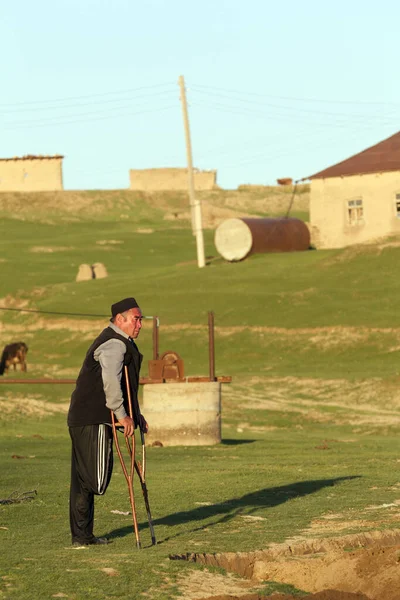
(326, 595)
(352, 567)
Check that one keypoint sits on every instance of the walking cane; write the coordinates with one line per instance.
(134, 465)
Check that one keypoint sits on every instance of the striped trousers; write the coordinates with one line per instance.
(91, 469)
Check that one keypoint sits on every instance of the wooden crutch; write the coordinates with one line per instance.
(134, 465)
(141, 468)
(128, 474)
(141, 474)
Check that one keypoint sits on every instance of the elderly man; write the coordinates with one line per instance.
(101, 388)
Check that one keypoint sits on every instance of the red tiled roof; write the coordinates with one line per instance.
(34, 157)
(384, 156)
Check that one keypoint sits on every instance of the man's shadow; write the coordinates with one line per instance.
(224, 512)
(235, 442)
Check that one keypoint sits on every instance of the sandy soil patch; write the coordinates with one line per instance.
(357, 403)
(328, 526)
(30, 406)
(53, 370)
(72, 325)
(320, 336)
(109, 242)
(323, 337)
(109, 245)
(10, 302)
(50, 249)
(195, 584)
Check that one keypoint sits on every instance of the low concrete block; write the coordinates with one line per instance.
(183, 414)
(99, 270)
(85, 273)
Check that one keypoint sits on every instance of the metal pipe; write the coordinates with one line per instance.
(211, 347)
(155, 338)
(140, 473)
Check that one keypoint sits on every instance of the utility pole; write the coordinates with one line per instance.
(195, 206)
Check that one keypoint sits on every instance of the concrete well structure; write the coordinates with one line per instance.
(183, 414)
(31, 173)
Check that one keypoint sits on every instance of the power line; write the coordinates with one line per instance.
(277, 142)
(267, 142)
(249, 142)
(298, 111)
(292, 98)
(290, 151)
(290, 118)
(51, 122)
(103, 94)
(80, 104)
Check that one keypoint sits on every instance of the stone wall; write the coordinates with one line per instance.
(150, 180)
(31, 174)
(375, 196)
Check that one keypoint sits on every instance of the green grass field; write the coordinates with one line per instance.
(310, 421)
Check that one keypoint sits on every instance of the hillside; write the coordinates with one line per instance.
(310, 422)
(310, 313)
(168, 207)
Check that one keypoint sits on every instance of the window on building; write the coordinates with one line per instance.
(355, 211)
(398, 205)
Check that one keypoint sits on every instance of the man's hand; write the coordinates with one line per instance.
(129, 426)
(143, 424)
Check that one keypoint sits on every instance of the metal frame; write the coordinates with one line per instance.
(156, 356)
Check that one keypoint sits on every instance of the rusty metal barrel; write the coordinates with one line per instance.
(239, 237)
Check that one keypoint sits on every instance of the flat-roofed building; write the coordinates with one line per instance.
(151, 180)
(31, 173)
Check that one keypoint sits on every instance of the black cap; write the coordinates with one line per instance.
(123, 305)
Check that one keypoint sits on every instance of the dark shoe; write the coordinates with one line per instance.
(94, 541)
(97, 541)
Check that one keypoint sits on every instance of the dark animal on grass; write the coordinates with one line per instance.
(13, 354)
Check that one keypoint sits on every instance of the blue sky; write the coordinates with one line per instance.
(275, 89)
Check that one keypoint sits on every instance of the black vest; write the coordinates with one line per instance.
(88, 400)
